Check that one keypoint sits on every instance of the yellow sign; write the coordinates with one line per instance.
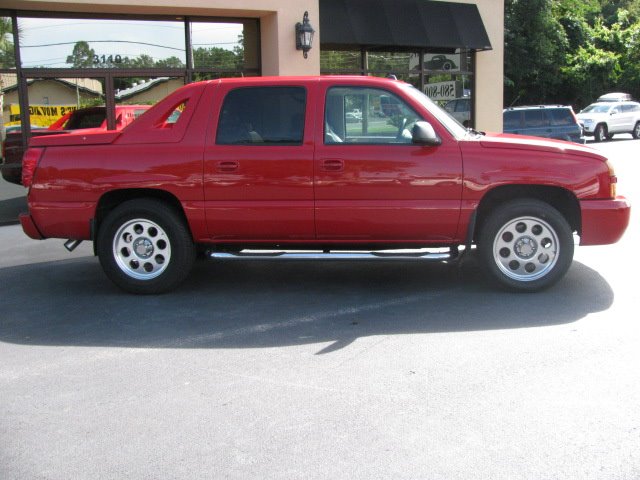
(42, 115)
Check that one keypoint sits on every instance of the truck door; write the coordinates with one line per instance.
(258, 164)
(371, 182)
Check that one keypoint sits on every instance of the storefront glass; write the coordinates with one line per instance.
(115, 61)
(446, 78)
(91, 43)
(229, 47)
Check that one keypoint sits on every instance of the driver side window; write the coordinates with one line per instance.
(367, 116)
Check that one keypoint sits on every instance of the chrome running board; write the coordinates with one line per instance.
(405, 255)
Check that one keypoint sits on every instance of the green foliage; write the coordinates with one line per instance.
(535, 45)
(82, 55)
(7, 58)
(570, 51)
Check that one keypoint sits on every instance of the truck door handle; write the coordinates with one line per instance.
(227, 166)
(333, 165)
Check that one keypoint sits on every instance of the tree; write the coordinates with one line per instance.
(535, 46)
(609, 59)
(570, 51)
(171, 62)
(82, 55)
(143, 61)
(7, 56)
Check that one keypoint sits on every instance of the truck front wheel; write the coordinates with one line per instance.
(526, 245)
(145, 247)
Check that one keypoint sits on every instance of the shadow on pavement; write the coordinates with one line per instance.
(261, 304)
(11, 208)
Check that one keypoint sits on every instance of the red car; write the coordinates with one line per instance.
(273, 165)
(83, 120)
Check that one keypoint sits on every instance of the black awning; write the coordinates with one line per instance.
(401, 24)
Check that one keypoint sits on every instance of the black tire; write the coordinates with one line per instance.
(600, 133)
(636, 131)
(525, 245)
(145, 247)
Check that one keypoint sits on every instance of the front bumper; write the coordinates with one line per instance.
(587, 128)
(604, 221)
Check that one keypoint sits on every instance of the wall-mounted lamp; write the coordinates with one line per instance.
(304, 35)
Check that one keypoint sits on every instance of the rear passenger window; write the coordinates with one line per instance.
(511, 120)
(535, 118)
(262, 116)
(561, 117)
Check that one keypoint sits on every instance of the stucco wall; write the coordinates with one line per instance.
(488, 96)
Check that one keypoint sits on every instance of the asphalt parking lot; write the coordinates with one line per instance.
(321, 370)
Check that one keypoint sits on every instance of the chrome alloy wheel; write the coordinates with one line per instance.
(141, 249)
(526, 249)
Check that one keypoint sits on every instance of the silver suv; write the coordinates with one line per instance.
(604, 119)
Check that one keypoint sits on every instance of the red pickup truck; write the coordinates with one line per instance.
(275, 168)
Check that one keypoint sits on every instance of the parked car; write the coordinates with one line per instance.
(18, 128)
(83, 120)
(614, 97)
(549, 121)
(602, 120)
(354, 116)
(266, 163)
(460, 109)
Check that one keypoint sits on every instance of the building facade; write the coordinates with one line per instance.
(449, 49)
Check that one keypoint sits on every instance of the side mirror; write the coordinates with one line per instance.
(423, 133)
(614, 112)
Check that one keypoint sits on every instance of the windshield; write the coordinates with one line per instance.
(596, 108)
(451, 124)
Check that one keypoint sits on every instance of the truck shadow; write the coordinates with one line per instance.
(10, 209)
(262, 304)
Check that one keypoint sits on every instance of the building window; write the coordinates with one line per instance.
(84, 61)
(444, 77)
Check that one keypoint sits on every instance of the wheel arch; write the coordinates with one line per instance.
(112, 199)
(559, 198)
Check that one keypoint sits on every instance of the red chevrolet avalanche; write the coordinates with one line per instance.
(317, 167)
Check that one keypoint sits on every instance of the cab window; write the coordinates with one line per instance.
(367, 116)
(262, 116)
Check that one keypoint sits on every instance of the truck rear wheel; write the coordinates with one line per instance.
(526, 245)
(145, 247)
